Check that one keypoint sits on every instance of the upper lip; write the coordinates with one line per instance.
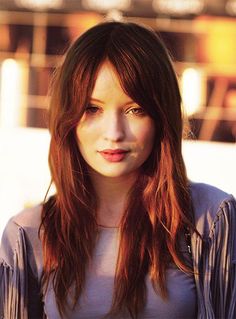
(114, 151)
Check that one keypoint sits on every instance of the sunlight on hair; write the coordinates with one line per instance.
(114, 15)
(192, 90)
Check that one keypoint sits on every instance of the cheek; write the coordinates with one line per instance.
(83, 140)
(79, 135)
(88, 131)
(145, 135)
(83, 134)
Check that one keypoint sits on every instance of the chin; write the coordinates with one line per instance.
(116, 173)
(112, 174)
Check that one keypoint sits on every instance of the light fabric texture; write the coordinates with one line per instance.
(214, 259)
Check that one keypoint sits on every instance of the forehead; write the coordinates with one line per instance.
(107, 84)
(106, 76)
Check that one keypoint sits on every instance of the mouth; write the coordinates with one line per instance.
(116, 155)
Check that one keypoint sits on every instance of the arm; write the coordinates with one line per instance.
(220, 272)
(19, 291)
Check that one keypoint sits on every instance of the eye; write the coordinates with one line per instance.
(92, 109)
(136, 111)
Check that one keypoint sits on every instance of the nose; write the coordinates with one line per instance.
(114, 127)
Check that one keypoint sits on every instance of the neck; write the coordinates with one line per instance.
(112, 194)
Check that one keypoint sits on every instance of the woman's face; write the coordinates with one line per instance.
(115, 135)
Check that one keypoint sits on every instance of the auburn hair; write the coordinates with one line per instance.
(159, 206)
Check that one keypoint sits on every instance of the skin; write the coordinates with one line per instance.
(113, 121)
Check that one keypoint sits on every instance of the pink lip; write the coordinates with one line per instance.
(116, 155)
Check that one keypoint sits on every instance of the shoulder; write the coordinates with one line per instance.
(29, 217)
(27, 221)
(20, 237)
(21, 265)
(209, 203)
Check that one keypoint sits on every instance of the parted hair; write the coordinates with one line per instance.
(159, 206)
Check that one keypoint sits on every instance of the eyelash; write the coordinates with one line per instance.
(91, 108)
(138, 111)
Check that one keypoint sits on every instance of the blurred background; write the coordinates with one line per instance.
(34, 34)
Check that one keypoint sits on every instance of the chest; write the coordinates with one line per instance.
(96, 299)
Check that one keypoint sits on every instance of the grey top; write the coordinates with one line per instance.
(214, 262)
(96, 299)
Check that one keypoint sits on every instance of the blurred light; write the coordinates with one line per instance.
(105, 5)
(230, 7)
(178, 7)
(10, 92)
(40, 4)
(114, 15)
(230, 99)
(217, 43)
(192, 90)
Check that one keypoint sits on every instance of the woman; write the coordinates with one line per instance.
(126, 235)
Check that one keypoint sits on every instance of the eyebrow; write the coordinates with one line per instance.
(100, 101)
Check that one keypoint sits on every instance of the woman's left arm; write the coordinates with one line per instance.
(220, 264)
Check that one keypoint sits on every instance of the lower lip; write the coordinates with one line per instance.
(113, 157)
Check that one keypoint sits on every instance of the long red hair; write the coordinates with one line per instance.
(151, 226)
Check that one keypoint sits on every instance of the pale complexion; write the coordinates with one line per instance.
(115, 137)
